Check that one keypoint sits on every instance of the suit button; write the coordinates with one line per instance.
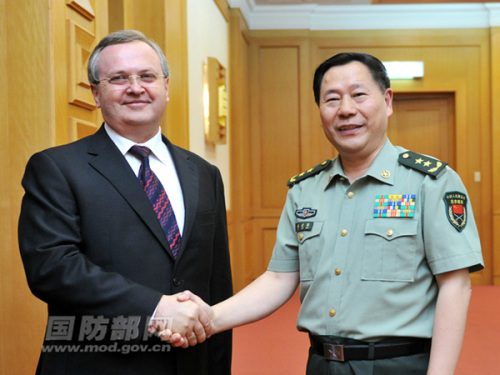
(176, 282)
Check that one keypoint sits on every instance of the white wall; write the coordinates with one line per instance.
(207, 36)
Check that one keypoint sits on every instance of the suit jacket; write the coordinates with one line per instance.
(94, 251)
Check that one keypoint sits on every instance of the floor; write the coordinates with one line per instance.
(273, 346)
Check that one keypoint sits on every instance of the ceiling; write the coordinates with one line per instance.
(317, 2)
(367, 15)
(364, 2)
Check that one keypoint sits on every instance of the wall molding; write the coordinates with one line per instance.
(368, 17)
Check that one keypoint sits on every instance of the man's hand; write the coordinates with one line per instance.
(176, 339)
(181, 320)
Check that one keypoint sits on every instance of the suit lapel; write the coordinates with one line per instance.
(111, 164)
(189, 180)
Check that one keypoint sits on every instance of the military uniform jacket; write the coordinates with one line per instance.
(367, 252)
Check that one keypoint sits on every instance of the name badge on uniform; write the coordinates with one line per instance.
(304, 226)
(305, 213)
(456, 210)
(394, 205)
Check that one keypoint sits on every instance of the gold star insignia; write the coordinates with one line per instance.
(422, 163)
(308, 173)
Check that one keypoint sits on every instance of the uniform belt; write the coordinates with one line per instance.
(341, 349)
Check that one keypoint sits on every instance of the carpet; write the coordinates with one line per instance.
(273, 346)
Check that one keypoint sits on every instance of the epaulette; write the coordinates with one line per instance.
(422, 163)
(310, 172)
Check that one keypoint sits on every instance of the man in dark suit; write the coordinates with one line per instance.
(94, 248)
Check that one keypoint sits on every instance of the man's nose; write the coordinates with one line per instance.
(135, 83)
(347, 106)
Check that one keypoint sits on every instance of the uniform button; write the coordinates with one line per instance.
(301, 236)
(176, 282)
(343, 232)
(332, 312)
(337, 271)
(350, 195)
(390, 232)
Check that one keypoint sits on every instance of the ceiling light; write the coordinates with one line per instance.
(404, 69)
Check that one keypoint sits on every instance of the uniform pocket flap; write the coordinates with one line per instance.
(307, 230)
(391, 229)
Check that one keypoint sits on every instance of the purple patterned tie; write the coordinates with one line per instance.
(158, 197)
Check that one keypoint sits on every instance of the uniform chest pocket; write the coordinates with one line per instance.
(390, 250)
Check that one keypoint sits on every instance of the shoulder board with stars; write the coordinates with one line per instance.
(310, 172)
(423, 163)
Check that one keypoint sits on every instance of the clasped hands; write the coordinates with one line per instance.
(182, 320)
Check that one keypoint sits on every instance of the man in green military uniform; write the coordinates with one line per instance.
(381, 239)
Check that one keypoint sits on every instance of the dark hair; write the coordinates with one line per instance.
(377, 69)
(119, 37)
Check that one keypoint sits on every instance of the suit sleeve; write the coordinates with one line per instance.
(52, 249)
(221, 288)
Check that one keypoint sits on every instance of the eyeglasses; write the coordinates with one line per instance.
(142, 79)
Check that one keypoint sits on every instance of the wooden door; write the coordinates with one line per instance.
(424, 123)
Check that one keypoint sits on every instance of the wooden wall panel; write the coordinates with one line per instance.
(77, 30)
(26, 128)
(279, 117)
(283, 142)
(239, 120)
(275, 124)
(166, 23)
(257, 258)
(5, 186)
(45, 45)
(456, 64)
(425, 122)
(467, 81)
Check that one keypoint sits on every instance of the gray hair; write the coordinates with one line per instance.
(119, 37)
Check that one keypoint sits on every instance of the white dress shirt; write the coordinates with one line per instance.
(162, 165)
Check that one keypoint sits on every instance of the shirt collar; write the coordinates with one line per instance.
(155, 144)
(382, 168)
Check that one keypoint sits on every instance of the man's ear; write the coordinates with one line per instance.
(389, 95)
(166, 88)
(95, 93)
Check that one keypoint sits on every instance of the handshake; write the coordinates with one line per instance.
(183, 320)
